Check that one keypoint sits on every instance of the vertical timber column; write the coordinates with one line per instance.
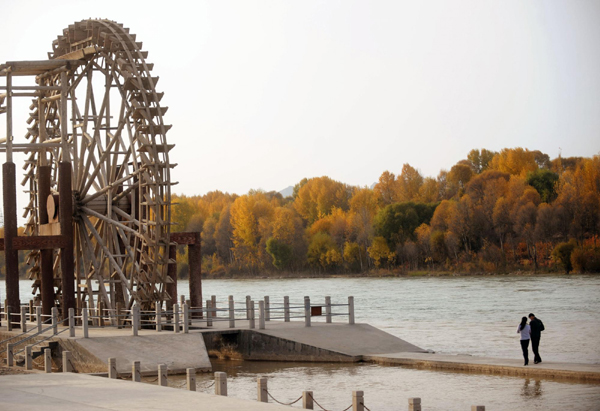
(47, 274)
(172, 273)
(195, 264)
(10, 232)
(65, 209)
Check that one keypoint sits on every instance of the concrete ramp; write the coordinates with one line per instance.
(178, 351)
(352, 340)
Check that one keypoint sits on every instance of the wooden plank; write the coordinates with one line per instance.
(36, 242)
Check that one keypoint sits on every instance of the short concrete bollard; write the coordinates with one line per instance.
(307, 400)
(10, 355)
(358, 401)
(29, 357)
(248, 299)
(261, 315)
(23, 319)
(158, 319)
(67, 363)
(112, 368)
(307, 311)
(267, 308)
(47, 361)
(328, 310)
(190, 374)
(221, 384)
(477, 408)
(231, 312)
(262, 389)
(176, 318)
(136, 372)
(350, 310)
(252, 323)
(71, 322)
(85, 322)
(186, 319)
(414, 404)
(54, 320)
(38, 318)
(286, 309)
(162, 375)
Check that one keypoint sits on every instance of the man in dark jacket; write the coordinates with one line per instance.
(537, 326)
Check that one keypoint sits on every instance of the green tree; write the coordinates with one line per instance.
(281, 253)
(544, 181)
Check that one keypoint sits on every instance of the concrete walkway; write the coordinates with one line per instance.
(75, 392)
(488, 365)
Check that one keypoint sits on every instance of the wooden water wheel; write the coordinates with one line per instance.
(116, 144)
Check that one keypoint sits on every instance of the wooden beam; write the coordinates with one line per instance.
(185, 238)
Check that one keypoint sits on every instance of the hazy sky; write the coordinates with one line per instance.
(264, 93)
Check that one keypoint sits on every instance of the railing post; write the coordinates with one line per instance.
(47, 361)
(231, 312)
(414, 404)
(10, 356)
(8, 317)
(358, 401)
(54, 320)
(23, 319)
(262, 389)
(29, 357)
(350, 310)
(307, 400)
(186, 322)
(135, 323)
(477, 408)
(286, 309)
(67, 364)
(208, 313)
(307, 311)
(38, 318)
(31, 311)
(162, 375)
(176, 318)
(112, 368)
(119, 309)
(158, 317)
(248, 299)
(85, 322)
(213, 300)
(221, 384)
(182, 299)
(191, 378)
(267, 308)
(261, 315)
(71, 322)
(252, 323)
(136, 371)
(328, 310)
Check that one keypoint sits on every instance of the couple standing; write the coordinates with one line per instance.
(533, 332)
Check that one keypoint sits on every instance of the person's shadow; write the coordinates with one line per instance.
(531, 391)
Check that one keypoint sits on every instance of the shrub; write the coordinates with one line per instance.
(586, 259)
(562, 255)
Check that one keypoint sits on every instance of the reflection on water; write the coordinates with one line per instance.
(388, 388)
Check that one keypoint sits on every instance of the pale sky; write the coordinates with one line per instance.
(264, 93)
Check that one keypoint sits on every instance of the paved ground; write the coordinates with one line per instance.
(75, 392)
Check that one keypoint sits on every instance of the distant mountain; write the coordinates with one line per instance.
(287, 192)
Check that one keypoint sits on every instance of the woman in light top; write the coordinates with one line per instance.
(525, 332)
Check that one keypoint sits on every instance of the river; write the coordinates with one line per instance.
(475, 315)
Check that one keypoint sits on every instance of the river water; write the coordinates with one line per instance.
(475, 315)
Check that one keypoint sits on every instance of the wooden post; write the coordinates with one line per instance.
(307, 400)
(135, 323)
(24, 319)
(414, 404)
(186, 318)
(29, 357)
(213, 305)
(191, 378)
(181, 300)
(136, 373)
(10, 229)
(208, 313)
(328, 310)
(101, 313)
(261, 315)
(252, 321)
(71, 322)
(358, 401)
(54, 320)
(31, 311)
(112, 368)
(38, 318)
(176, 318)
(172, 274)
(67, 364)
(10, 355)
(46, 256)
(65, 209)
(47, 361)
(119, 308)
(307, 311)
(158, 317)
(84, 322)
(248, 299)
(231, 312)
(351, 310)
(221, 384)
(286, 309)
(162, 375)
(267, 308)
(262, 389)
(8, 317)
(195, 267)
